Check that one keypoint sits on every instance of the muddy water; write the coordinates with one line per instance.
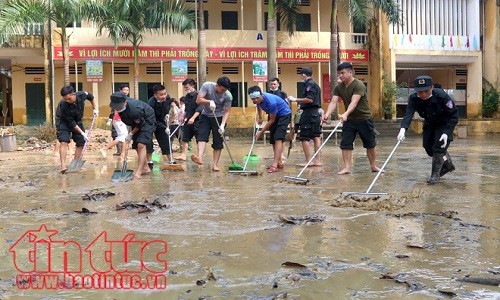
(223, 229)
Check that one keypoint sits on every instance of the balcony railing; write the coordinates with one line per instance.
(435, 42)
(32, 38)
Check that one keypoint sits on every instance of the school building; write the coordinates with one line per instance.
(454, 41)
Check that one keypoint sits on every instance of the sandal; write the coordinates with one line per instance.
(272, 169)
(280, 166)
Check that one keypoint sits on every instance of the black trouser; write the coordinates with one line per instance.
(430, 140)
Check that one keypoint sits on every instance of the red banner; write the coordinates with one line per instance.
(213, 54)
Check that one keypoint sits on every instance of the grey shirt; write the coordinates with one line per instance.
(222, 101)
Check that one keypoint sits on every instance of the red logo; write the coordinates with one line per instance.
(44, 262)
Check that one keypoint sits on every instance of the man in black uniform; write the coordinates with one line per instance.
(160, 102)
(141, 117)
(191, 113)
(310, 120)
(69, 124)
(441, 117)
(274, 88)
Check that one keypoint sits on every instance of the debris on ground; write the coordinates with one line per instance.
(400, 278)
(96, 195)
(479, 280)
(302, 220)
(290, 264)
(142, 207)
(419, 246)
(34, 143)
(375, 202)
(370, 202)
(84, 211)
(447, 293)
(449, 214)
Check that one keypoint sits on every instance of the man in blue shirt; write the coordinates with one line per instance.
(279, 117)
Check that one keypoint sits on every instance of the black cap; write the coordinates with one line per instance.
(422, 83)
(117, 100)
(307, 71)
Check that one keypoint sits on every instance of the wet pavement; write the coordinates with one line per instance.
(226, 239)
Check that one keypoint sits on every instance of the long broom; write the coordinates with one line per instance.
(305, 180)
(172, 165)
(233, 166)
(367, 193)
(245, 171)
(156, 155)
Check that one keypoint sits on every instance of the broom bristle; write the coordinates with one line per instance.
(173, 167)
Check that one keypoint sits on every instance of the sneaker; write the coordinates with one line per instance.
(151, 165)
(103, 152)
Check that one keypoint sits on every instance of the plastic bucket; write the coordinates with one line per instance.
(8, 143)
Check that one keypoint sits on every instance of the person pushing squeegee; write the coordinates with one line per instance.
(279, 113)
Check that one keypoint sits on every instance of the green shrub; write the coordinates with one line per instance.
(390, 91)
(45, 133)
(491, 98)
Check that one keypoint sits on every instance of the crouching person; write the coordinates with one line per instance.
(141, 118)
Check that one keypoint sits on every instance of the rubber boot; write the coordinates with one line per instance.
(437, 164)
(118, 149)
(447, 166)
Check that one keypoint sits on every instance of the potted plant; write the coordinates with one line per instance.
(491, 99)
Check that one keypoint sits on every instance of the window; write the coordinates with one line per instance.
(237, 90)
(358, 28)
(229, 20)
(73, 71)
(278, 23)
(80, 86)
(77, 24)
(304, 22)
(121, 70)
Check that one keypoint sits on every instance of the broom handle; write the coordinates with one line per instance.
(316, 153)
(169, 140)
(175, 130)
(381, 169)
(255, 130)
(223, 139)
(88, 137)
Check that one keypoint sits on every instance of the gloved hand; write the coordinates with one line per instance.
(212, 105)
(85, 136)
(401, 135)
(444, 139)
(129, 136)
(96, 112)
(221, 129)
(167, 131)
(109, 122)
(292, 99)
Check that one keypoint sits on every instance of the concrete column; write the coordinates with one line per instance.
(474, 88)
(259, 15)
(492, 43)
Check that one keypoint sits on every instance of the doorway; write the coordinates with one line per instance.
(35, 103)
